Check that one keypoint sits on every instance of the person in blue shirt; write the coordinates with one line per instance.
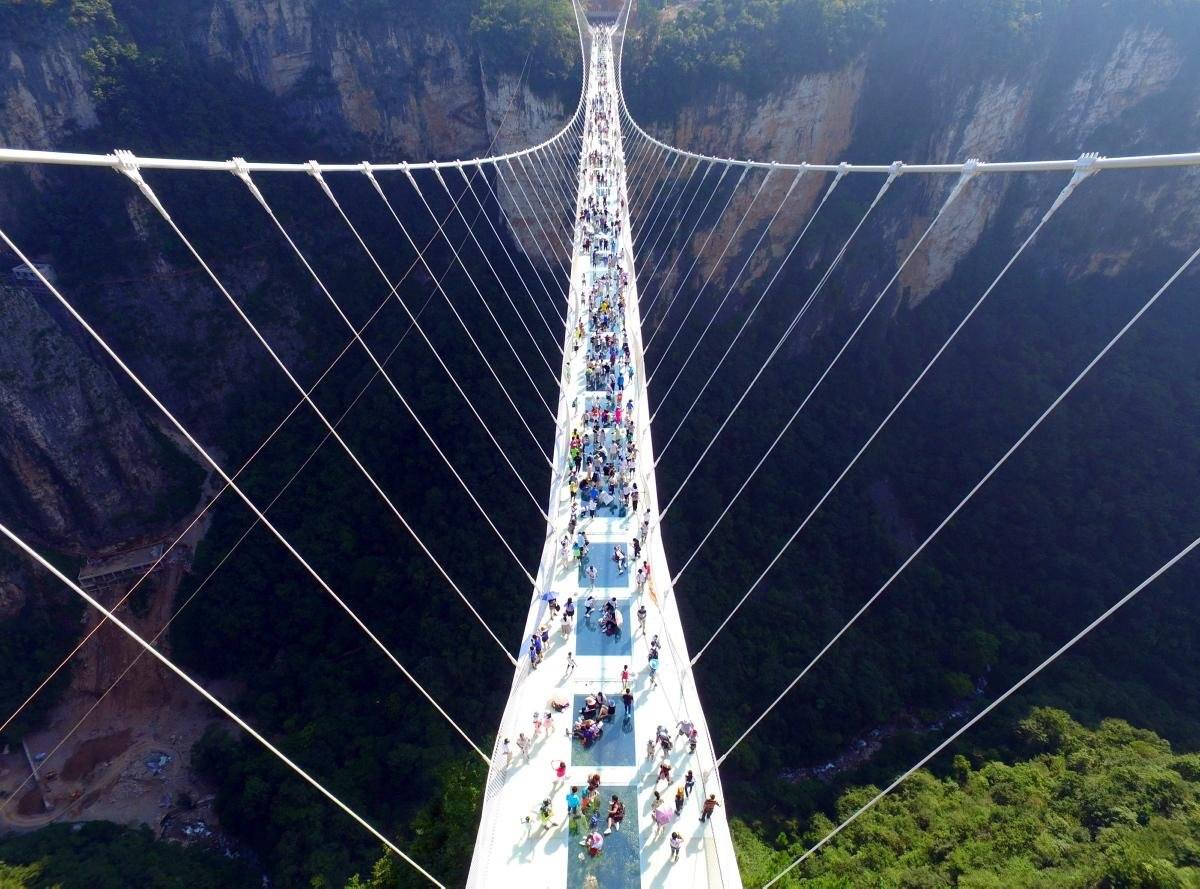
(573, 803)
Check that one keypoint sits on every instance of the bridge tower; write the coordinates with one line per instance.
(599, 376)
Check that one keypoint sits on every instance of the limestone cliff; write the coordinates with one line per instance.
(920, 93)
(405, 86)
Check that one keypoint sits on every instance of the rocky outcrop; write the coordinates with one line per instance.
(45, 90)
(1106, 88)
(77, 455)
(79, 464)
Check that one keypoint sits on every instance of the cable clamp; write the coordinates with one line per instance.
(895, 169)
(1085, 166)
(127, 164)
(842, 169)
(367, 170)
(314, 170)
(407, 172)
(241, 169)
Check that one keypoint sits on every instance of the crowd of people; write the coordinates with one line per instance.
(602, 465)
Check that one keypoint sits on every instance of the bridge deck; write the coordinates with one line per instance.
(515, 847)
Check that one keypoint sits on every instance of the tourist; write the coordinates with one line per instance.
(616, 814)
(573, 803)
(664, 771)
(709, 806)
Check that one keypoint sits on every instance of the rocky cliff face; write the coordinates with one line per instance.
(920, 93)
(411, 89)
(401, 87)
(79, 464)
(387, 88)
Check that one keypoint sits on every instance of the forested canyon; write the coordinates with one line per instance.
(1086, 778)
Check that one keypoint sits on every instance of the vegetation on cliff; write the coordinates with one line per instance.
(1083, 809)
(99, 855)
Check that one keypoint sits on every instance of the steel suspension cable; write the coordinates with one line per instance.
(711, 273)
(508, 255)
(262, 446)
(230, 483)
(638, 166)
(544, 218)
(438, 284)
(212, 699)
(778, 345)
(653, 181)
(552, 214)
(662, 216)
(457, 208)
(954, 193)
(1085, 169)
(659, 218)
(200, 587)
(666, 276)
(552, 177)
(478, 292)
(560, 275)
(699, 253)
(131, 172)
(728, 293)
(528, 257)
(666, 183)
(246, 178)
(674, 236)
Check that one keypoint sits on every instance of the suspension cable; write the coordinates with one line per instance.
(456, 203)
(537, 242)
(528, 257)
(508, 255)
(267, 523)
(552, 218)
(211, 502)
(483, 300)
(673, 238)
(711, 273)
(686, 276)
(200, 587)
(728, 293)
(662, 216)
(778, 345)
(246, 178)
(544, 218)
(131, 172)
(1086, 167)
(954, 193)
(368, 171)
(208, 696)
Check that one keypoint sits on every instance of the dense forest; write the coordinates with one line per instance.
(1111, 806)
(1072, 800)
